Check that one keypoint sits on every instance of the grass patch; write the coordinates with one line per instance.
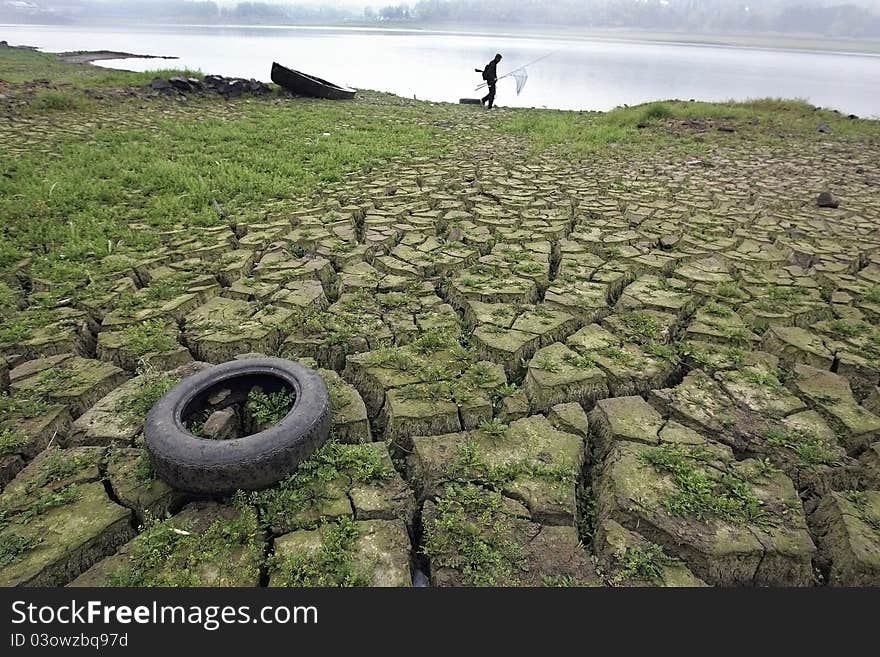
(642, 564)
(808, 446)
(643, 126)
(470, 534)
(13, 546)
(699, 494)
(330, 565)
(133, 410)
(308, 485)
(167, 554)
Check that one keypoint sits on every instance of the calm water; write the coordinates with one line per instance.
(581, 74)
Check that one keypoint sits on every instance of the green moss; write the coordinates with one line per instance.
(36, 505)
(25, 405)
(472, 535)
(330, 565)
(862, 504)
(697, 494)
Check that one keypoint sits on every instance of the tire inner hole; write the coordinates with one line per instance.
(238, 406)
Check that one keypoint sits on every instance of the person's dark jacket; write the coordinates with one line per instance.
(490, 73)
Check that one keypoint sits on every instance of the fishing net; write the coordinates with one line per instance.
(520, 76)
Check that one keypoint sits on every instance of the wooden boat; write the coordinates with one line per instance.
(308, 85)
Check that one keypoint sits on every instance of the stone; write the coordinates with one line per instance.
(475, 537)
(365, 553)
(557, 375)
(58, 520)
(569, 418)
(529, 460)
(847, 527)
(832, 396)
(624, 418)
(135, 485)
(630, 560)
(77, 383)
(207, 545)
(827, 200)
(222, 425)
(749, 530)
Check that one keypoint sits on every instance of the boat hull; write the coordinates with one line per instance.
(302, 84)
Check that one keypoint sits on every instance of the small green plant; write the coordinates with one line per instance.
(148, 337)
(12, 442)
(133, 409)
(264, 410)
(581, 362)
(808, 446)
(471, 533)
(697, 493)
(332, 564)
(643, 325)
(642, 564)
(494, 428)
(13, 546)
(545, 363)
(174, 553)
(717, 310)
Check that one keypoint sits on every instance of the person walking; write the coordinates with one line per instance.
(490, 75)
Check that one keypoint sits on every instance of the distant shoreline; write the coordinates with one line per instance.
(793, 42)
(89, 56)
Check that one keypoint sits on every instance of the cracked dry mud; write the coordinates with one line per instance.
(625, 372)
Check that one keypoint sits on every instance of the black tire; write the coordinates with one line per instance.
(209, 467)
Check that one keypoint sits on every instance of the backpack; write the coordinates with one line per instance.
(486, 73)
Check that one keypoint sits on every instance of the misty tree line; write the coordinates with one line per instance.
(843, 19)
(825, 17)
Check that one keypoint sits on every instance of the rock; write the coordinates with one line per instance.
(630, 560)
(747, 527)
(348, 553)
(557, 375)
(832, 396)
(222, 425)
(529, 461)
(476, 537)
(827, 200)
(847, 526)
(58, 520)
(624, 418)
(824, 128)
(569, 418)
(159, 84)
(206, 544)
(339, 481)
(136, 487)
